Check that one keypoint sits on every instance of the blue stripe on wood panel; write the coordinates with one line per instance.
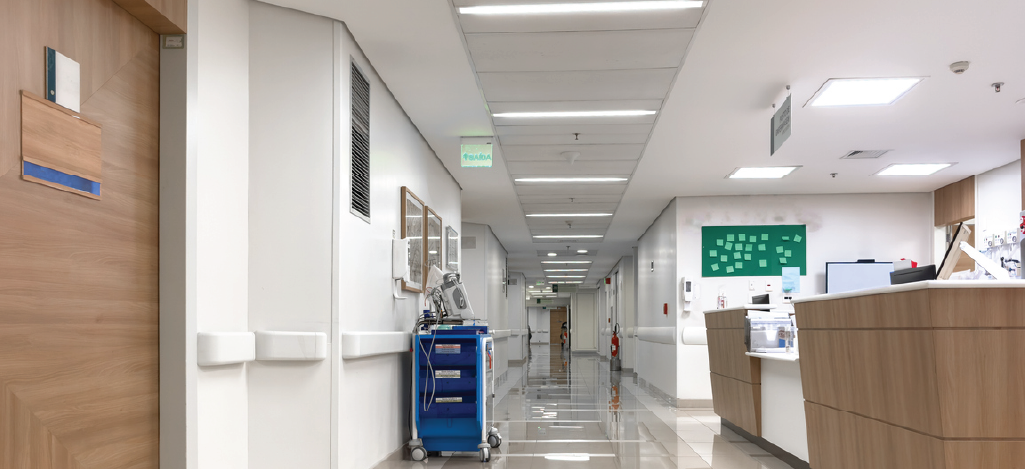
(67, 180)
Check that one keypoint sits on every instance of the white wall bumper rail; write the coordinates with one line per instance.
(694, 336)
(291, 346)
(658, 335)
(501, 333)
(368, 344)
(225, 348)
(630, 332)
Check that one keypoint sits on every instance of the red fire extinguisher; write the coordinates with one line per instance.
(615, 341)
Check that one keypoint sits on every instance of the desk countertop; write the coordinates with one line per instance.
(916, 286)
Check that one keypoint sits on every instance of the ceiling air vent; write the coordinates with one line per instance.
(864, 154)
(359, 168)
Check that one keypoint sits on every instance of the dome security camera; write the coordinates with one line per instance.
(959, 67)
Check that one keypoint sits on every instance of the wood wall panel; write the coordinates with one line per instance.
(162, 16)
(954, 203)
(78, 277)
(736, 377)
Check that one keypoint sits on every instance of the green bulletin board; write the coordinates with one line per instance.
(753, 250)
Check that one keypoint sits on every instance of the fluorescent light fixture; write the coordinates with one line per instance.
(569, 215)
(566, 281)
(556, 114)
(573, 180)
(553, 8)
(432, 252)
(565, 270)
(581, 251)
(552, 254)
(774, 172)
(913, 169)
(566, 262)
(567, 236)
(863, 91)
(566, 276)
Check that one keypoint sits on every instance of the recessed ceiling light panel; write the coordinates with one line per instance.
(913, 169)
(569, 215)
(568, 236)
(555, 8)
(862, 91)
(557, 114)
(565, 262)
(572, 180)
(565, 270)
(772, 172)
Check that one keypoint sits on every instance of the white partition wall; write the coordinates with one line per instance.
(585, 328)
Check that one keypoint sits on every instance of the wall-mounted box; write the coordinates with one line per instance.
(60, 148)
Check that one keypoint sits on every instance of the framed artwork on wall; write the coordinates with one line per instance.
(413, 211)
(435, 243)
(451, 249)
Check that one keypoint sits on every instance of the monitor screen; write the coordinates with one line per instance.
(851, 276)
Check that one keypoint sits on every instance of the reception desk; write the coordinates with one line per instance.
(919, 376)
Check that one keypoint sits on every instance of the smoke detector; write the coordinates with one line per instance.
(959, 67)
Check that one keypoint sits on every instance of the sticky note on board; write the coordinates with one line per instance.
(738, 246)
(729, 246)
(718, 242)
(786, 238)
(715, 267)
(729, 269)
(788, 253)
(779, 249)
(747, 257)
(713, 253)
(739, 265)
(765, 237)
(742, 237)
(762, 263)
(724, 258)
(749, 247)
(797, 238)
(736, 255)
(782, 260)
(729, 237)
(761, 247)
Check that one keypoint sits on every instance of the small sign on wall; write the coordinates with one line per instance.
(63, 80)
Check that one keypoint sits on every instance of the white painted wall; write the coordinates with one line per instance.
(291, 222)
(219, 121)
(517, 316)
(539, 321)
(628, 315)
(657, 363)
(376, 389)
(997, 208)
(484, 275)
(584, 311)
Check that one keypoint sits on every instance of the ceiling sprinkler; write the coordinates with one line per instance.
(571, 156)
(996, 86)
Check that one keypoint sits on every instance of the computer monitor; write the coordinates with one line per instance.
(851, 276)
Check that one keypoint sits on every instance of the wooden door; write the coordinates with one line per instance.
(79, 277)
(557, 317)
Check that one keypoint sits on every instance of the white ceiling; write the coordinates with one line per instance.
(447, 70)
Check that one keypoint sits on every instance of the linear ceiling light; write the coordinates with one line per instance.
(570, 215)
(552, 254)
(552, 8)
(566, 276)
(581, 251)
(573, 180)
(565, 270)
(912, 169)
(565, 281)
(565, 262)
(567, 236)
(774, 172)
(623, 113)
(863, 91)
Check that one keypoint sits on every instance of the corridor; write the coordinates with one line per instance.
(563, 410)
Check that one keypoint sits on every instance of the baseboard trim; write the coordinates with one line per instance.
(780, 453)
(694, 403)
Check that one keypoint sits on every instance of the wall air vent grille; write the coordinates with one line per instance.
(469, 242)
(513, 281)
(864, 154)
(359, 168)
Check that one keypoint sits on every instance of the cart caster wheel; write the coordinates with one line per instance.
(485, 455)
(418, 453)
(495, 441)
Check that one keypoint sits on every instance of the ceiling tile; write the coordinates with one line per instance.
(554, 152)
(583, 130)
(564, 207)
(565, 105)
(568, 139)
(577, 85)
(570, 190)
(563, 199)
(669, 19)
(605, 50)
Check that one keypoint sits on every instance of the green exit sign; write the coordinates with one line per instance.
(476, 155)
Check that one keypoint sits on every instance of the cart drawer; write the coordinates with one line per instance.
(465, 410)
(445, 353)
(443, 385)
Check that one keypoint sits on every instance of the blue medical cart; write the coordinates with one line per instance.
(452, 383)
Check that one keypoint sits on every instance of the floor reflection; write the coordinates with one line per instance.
(561, 410)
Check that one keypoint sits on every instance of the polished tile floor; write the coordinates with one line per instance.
(566, 411)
